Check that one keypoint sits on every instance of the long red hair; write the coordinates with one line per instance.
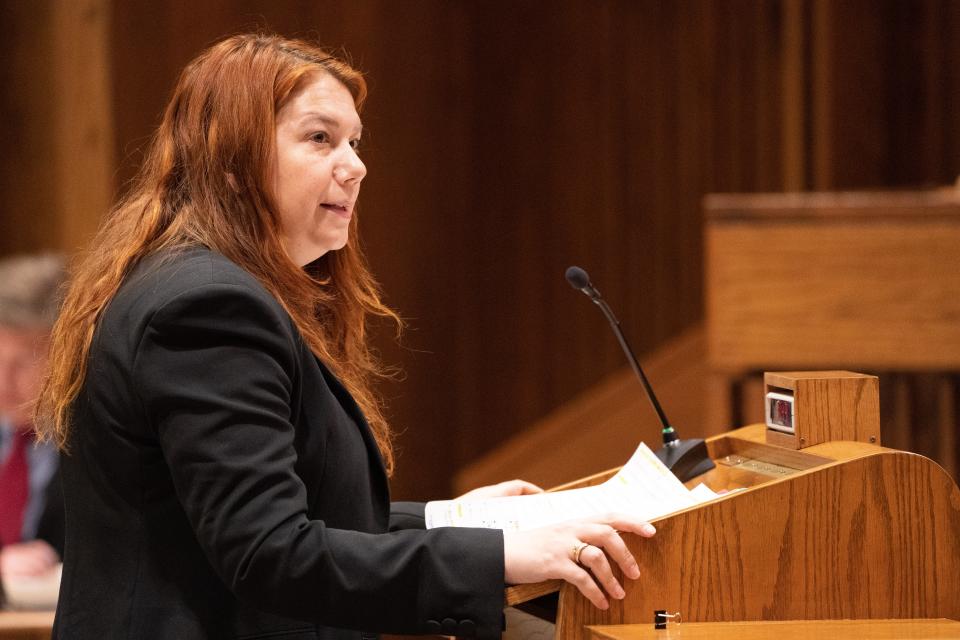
(204, 182)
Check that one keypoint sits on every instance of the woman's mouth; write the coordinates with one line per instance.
(342, 210)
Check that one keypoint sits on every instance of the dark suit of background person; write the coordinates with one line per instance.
(41, 516)
(222, 483)
(31, 503)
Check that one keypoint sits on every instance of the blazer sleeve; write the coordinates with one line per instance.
(407, 515)
(214, 373)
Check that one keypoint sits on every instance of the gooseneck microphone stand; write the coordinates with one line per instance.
(685, 458)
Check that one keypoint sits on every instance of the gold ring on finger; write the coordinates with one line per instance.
(578, 549)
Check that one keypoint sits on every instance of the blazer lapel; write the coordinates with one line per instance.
(353, 410)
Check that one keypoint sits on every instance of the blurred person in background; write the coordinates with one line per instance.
(31, 500)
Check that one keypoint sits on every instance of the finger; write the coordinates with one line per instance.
(609, 540)
(35, 567)
(46, 554)
(584, 583)
(596, 560)
(520, 488)
(25, 566)
(625, 522)
(36, 558)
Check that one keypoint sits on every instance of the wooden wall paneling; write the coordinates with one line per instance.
(84, 119)
(695, 43)
(822, 44)
(659, 167)
(56, 175)
(670, 115)
(718, 402)
(141, 38)
(794, 92)
(569, 207)
(931, 424)
(947, 425)
(591, 213)
(747, 101)
(922, 92)
(415, 201)
(501, 300)
(925, 414)
(885, 87)
(948, 66)
(895, 403)
(912, 61)
(849, 109)
(765, 72)
(28, 202)
(560, 188)
(752, 399)
(599, 429)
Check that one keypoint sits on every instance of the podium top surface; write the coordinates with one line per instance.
(25, 625)
(784, 630)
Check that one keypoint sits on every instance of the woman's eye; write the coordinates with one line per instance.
(320, 136)
(355, 144)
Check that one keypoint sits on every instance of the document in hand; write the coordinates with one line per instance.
(643, 487)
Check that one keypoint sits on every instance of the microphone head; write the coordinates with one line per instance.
(577, 278)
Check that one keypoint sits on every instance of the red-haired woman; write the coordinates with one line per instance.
(210, 383)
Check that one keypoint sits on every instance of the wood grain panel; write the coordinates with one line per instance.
(876, 536)
(84, 120)
(28, 203)
(918, 629)
(882, 84)
(25, 625)
(876, 292)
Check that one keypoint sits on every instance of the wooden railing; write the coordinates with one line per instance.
(862, 281)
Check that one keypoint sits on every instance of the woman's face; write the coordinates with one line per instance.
(317, 173)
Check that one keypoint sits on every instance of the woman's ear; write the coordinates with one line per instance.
(232, 181)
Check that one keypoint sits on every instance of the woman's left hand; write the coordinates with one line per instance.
(508, 488)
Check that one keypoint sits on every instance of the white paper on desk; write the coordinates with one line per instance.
(643, 487)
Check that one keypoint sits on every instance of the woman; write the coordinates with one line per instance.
(210, 382)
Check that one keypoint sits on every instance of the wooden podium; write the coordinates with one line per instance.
(837, 530)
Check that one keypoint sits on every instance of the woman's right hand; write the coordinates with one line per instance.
(548, 553)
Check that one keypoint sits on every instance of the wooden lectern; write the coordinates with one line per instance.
(840, 529)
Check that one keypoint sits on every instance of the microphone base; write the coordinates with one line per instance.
(686, 458)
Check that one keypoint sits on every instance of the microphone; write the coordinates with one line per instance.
(685, 458)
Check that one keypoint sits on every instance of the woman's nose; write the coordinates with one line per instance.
(351, 169)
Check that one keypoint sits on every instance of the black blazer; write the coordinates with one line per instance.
(51, 524)
(221, 483)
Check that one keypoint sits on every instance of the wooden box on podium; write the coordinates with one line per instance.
(836, 530)
(828, 406)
